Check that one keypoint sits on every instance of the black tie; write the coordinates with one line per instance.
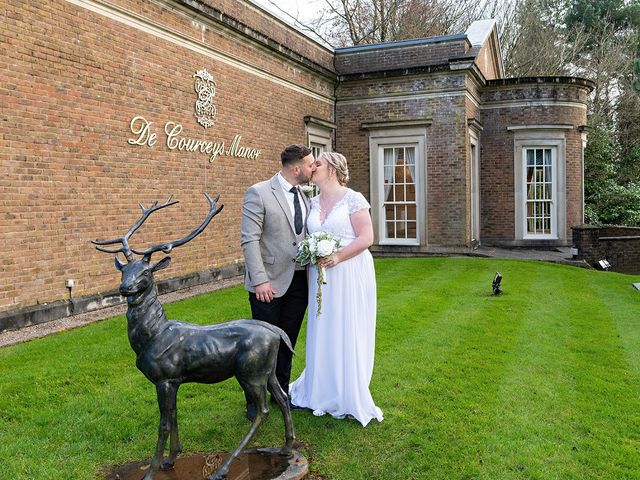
(297, 218)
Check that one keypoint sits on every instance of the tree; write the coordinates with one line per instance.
(611, 36)
(602, 17)
(537, 27)
(627, 114)
(357, 22)
(611, 48)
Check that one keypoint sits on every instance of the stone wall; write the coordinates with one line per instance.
(620, 246)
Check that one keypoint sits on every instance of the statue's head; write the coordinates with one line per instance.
(137, 276)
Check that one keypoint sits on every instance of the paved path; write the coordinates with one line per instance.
(557, 255)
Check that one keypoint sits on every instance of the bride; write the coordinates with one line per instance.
(341, 339)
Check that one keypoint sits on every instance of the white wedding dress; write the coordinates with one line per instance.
(341, 340)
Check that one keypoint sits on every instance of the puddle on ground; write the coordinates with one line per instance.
(258, 464)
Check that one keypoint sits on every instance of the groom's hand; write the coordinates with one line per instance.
(264, 292)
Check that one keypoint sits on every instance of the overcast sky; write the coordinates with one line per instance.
(303, 9)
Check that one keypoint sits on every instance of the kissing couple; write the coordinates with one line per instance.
(276, 218)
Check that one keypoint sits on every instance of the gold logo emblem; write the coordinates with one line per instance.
(205, 87)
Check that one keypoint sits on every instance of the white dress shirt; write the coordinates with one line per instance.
(286, 186)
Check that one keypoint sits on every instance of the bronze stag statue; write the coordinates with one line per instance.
(170, 353)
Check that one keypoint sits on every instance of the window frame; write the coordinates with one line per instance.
(382, 138)
(475, 188)
(383, 228)
(319, 134)
(553, 226)
(541, 136)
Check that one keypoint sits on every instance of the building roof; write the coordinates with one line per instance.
(479, 31)
(401, 43)
(478, 48)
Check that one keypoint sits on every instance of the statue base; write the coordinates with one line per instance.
(254, 464)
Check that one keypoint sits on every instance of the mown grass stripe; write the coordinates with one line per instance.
(607, 389)
(530, 437)
(456, 371)
(467, 377)
(452, 340)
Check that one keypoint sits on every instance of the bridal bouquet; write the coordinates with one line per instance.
(309, 190)
(314, 246)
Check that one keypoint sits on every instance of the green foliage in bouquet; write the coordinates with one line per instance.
(314, 246)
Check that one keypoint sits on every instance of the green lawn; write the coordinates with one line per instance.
(542, 382)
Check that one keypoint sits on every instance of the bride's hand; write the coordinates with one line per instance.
(328, 262)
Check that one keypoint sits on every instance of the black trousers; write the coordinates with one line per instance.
(287, 313)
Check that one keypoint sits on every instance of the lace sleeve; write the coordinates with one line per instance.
(356, 202)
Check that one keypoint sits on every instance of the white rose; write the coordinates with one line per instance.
(308, 190)
(325, 248)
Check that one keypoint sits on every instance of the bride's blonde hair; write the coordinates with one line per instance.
(339, 164)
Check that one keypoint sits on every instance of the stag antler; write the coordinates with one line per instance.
(166, 247)
(124, 240)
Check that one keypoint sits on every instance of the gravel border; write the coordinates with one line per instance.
(32, 332)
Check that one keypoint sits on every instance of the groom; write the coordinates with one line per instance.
(273, 217)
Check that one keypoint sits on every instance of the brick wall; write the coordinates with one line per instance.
(485, 62)
(220, 28)
(620, 246)
(272, 28)
(73, 78)
(521, 102)
(70, 83)
(446, 143)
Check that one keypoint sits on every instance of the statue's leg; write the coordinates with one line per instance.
(252, 408)
(165, 391)
(257, 394)
(174, 442)
(283, 402)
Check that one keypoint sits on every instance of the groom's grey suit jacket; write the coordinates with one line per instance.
(269, 241)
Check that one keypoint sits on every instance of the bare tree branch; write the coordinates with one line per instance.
(304, 26)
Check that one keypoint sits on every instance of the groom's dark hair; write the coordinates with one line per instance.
(293, 154)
